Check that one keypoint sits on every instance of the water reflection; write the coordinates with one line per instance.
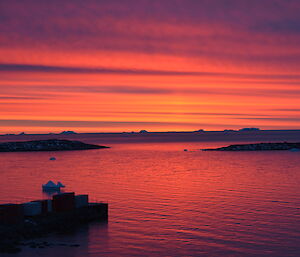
(77, 242)
(48, 194)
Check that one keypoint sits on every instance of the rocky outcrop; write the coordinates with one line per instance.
(258, 147)
(47, 145)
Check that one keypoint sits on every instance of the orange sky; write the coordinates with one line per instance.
(173, 65)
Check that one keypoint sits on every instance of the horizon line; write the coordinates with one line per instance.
(147, 132)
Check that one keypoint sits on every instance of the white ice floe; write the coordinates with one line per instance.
(52, 186)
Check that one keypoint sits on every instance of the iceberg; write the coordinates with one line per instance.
(51, 186)
(60, 184)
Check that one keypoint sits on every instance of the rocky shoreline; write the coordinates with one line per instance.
(259, 147)
(12, 235)
(47, 145)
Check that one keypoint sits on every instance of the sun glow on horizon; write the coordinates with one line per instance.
(68, 70)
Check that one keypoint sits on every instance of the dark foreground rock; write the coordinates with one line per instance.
(47, 145)
(11, 235)
(258, 147)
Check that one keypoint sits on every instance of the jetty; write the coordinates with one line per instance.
(258, 147)
(47, 145)
(40, 217)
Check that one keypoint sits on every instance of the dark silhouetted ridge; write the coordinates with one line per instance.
(47, 145)
(258, 147)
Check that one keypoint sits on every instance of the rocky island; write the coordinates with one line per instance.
(259, 147)
(47, 145)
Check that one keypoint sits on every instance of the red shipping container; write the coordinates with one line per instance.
(63, 202)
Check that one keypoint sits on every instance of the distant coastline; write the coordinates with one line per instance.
(161, 137)
(145, 132)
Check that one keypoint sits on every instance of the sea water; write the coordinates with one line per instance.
(164, 201)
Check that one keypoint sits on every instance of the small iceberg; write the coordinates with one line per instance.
(51, 186)
(52, 158)
(60, 184)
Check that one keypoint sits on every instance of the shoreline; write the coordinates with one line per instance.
(35, 227)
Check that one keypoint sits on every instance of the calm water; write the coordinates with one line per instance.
(166, 202)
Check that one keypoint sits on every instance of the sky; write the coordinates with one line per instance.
(159, 65)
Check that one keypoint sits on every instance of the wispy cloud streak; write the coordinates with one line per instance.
(104, 70)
